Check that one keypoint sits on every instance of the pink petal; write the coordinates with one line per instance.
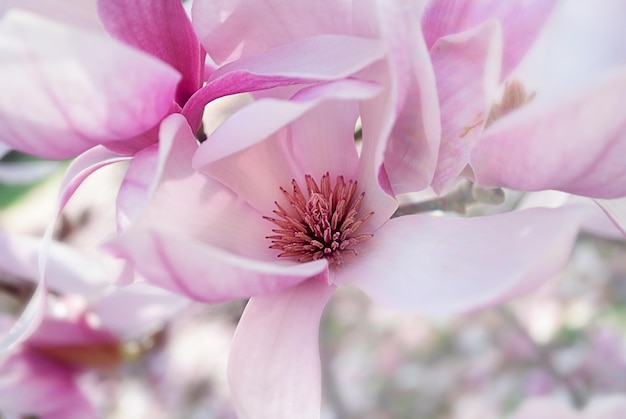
(521, 22)
(136, 310)
(67, 89)
(81, 13)
(274, 367)
(76, 173)
(229, 29)
(285, 139)
(616, 210)
(401, 126)
(580, 41)
(162, 29)
(195, 237)
(441, 265)
(574, 145)
(467, 68)
(320, 58)
(69, 270)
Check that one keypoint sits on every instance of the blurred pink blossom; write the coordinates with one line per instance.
(83, 330)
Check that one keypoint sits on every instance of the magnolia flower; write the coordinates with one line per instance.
(605, 407)
(289, 212)
(70, 88)
(285, 209)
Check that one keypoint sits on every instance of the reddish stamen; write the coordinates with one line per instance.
(323, 224)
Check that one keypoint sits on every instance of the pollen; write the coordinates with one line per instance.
(323, 222)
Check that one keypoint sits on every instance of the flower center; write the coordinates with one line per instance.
(323, 224)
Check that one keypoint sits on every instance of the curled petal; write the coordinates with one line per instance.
(160, 28)
(616, 210)
(285, 139)
(467, 68)
(32, 315)
(320, 58)
(230, 29)
(521, 22)
(401, 127)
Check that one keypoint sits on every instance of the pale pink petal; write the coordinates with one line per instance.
(67, 89)
(82, 166)
(442, 265)
(204, 272)
(546, 409)
(311, 134)
(274, 366)
(401, 126)
(196, 238)
(134, 191)
(81, 13)
(160, 28)
(575, 145)
(229, 29)
(521, 22)
(321, 58)
(616, 210)
(580, 41)
(467, 69)
(136, 310)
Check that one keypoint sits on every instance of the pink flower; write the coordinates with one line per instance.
(69, 88)
(605, 407)
(41, 376)
(219, 237)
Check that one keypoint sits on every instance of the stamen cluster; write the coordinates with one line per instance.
(323, 224)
